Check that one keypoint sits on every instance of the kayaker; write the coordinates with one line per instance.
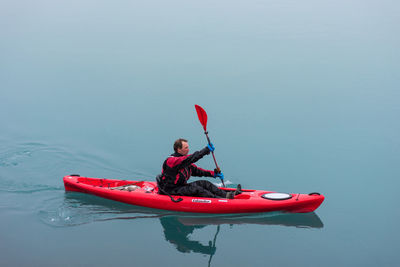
(178, 168)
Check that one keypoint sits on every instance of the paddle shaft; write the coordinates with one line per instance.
(213, 246)
(215, 161)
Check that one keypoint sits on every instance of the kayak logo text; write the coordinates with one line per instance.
(201, 200)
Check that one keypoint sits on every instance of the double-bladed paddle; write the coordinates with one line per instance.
(201, 113)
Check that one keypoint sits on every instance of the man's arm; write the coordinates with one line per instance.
(196, 171)
(185, 161)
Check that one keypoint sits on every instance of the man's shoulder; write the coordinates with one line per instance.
(173, 156)
(174, 160)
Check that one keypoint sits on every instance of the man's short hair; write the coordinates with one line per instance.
(178, 144)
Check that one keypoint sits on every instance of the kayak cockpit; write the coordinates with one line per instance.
(107, 182)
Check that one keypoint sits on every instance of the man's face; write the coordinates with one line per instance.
(184, 150)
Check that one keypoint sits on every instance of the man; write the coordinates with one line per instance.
(178, 168)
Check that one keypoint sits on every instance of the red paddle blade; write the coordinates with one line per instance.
(201, 113)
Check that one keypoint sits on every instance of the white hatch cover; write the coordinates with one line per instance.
(277, 196)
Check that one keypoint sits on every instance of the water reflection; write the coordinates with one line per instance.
(177, 229)
(178, 233)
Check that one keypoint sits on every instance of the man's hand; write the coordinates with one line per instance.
(220, 175)
(211, 147)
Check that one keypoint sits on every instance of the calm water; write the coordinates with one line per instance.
(301, 97)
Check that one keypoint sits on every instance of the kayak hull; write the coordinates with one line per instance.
(145, 194)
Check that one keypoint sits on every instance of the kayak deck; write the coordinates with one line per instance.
(145, 194)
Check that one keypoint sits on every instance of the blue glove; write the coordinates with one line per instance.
(220, 175)
(211, 147)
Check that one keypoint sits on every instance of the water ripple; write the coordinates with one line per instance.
(23, 188)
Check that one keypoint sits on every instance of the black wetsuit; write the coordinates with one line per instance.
(177, 170)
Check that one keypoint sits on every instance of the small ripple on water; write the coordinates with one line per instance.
(13, 158)
(23, 188)
(15, 155)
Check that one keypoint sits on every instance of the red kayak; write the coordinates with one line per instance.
(145, 194)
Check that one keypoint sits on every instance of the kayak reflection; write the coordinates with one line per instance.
(178, 227)
(300, 220)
